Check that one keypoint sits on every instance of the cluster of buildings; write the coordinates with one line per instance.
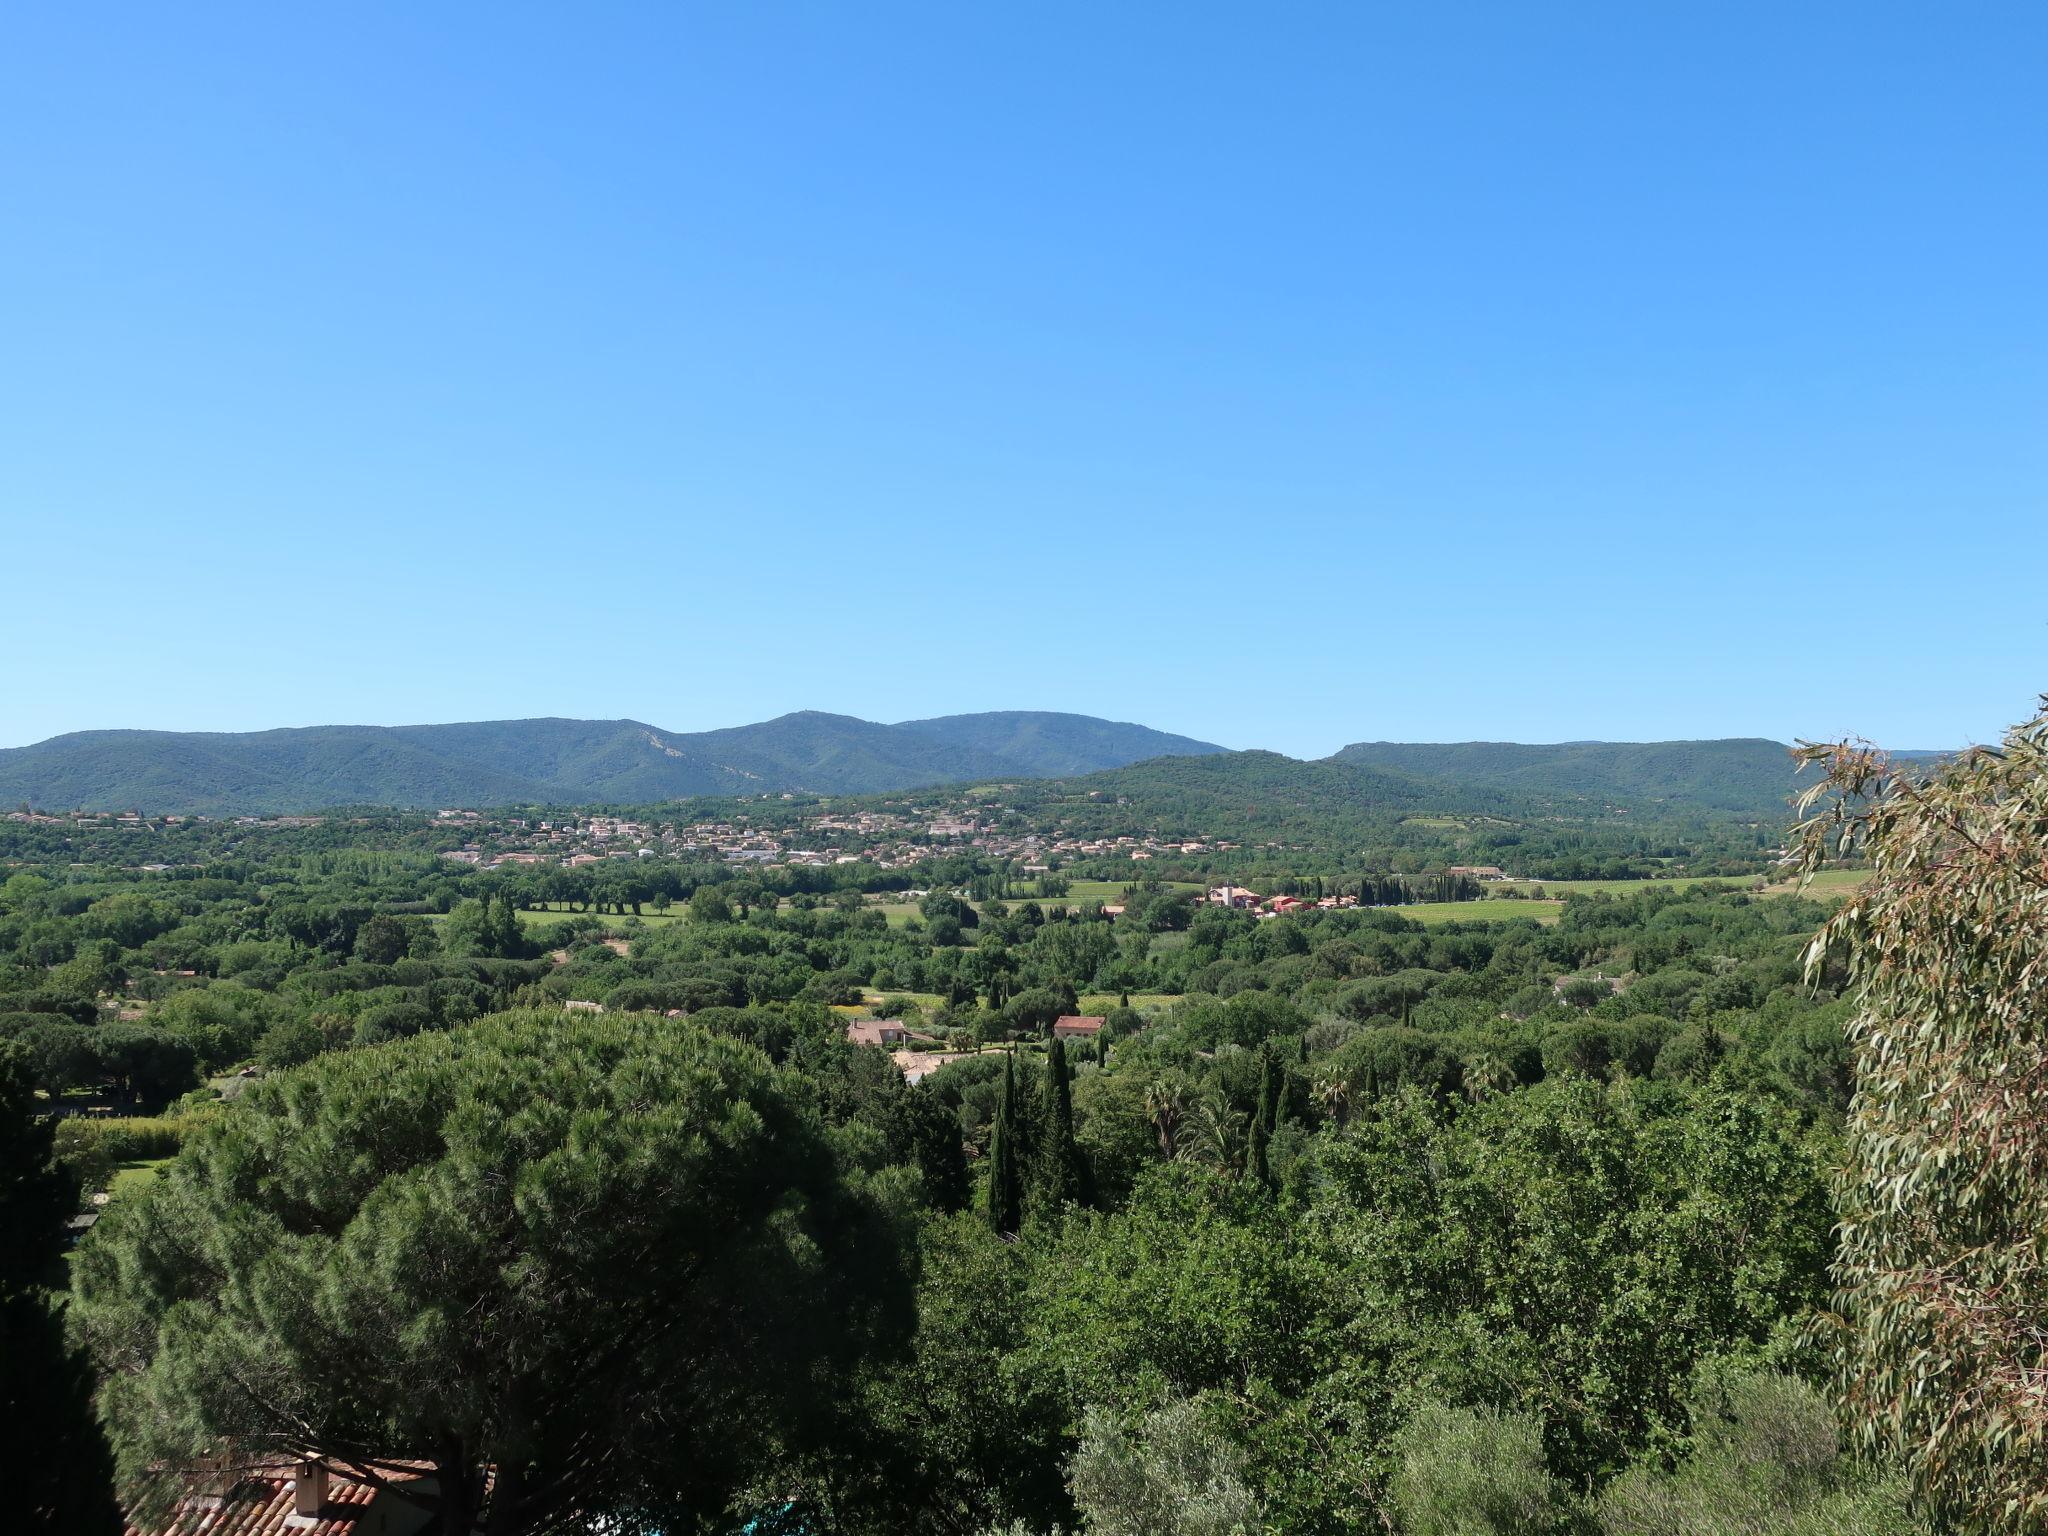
(578, 841)
(1238, 899)
(135, 821)
(885, 838)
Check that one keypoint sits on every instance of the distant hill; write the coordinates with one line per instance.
(1744, 775)
(552, 761)
(1056, 746)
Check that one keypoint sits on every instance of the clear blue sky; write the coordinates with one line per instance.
(1284, 375)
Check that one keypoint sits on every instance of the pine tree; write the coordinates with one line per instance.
(54, 1462)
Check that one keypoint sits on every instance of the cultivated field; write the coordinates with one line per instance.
(1490, 909)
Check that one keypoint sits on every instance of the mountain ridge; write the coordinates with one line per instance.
(1733, 773)
(558, 760)
(550, 760)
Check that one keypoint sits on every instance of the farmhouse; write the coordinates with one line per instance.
(1478, 871)
(1077, 1026)
(877, 1032)
(1233, 896)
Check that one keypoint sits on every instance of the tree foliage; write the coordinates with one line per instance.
(54, 1468)
(1942, 1265)
(615, 1259)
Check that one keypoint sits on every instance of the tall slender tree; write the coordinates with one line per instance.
(1272, 1090)
(1059, 1159)
(1005, 1188)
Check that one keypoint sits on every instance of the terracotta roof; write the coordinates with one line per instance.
(260, 1504)
(1077, 1023)
(876, 1031)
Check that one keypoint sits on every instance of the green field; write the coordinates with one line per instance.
(1144, 1002)
(1486, 910)
(130, 1178)
(930, 1002)
(1825, 884)
(1829, 882)
(1081, 892)
(1558, 888)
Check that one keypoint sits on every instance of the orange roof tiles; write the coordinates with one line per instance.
(260, 1504)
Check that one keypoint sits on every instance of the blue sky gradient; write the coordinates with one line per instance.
(1285, 376)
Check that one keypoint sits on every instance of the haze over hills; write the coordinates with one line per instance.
(556, 761)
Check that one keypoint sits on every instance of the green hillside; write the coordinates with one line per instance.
(1747, 776)
(541, 761)
(1055, 745)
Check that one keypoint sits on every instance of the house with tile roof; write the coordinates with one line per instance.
(877, 1032)
(307, 1498)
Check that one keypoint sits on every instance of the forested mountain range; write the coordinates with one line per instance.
(1747, 775)
(560, 761)
(556, 761)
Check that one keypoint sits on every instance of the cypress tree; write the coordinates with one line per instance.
(1005, 1196)
(1256, 1164)
(1059, 1180)
(1269, 1109)
(54, 1462)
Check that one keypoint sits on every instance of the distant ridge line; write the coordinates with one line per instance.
(557, 760)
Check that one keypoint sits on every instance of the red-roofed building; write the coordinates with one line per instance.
(1077, 1026)
(307, 1499)
(877, 1032)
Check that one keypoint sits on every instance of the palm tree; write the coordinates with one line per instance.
(1333, 1092)
(1166, 1108)
(1489, 1075)
(1220, 1133)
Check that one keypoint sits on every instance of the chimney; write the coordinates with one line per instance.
(309, 1491)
